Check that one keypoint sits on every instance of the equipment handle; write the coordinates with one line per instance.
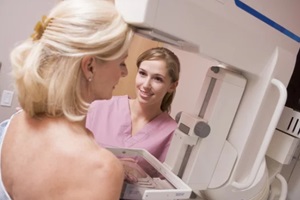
(269, 134)
(284, 187)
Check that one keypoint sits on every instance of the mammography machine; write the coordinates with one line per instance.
(242, 131)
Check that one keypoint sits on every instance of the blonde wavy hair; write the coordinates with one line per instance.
(47, 69)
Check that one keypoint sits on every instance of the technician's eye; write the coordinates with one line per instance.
(142, 73)
(158, 79)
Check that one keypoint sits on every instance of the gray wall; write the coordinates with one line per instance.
(17, 21)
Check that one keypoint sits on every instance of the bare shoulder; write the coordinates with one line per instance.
(91, 172)
(99, 175)
(107, 178)
(65, 164)
(87, 172)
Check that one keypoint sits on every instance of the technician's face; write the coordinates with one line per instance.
(152, 82)
(107, 75)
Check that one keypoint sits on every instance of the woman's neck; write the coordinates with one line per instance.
(145, 112)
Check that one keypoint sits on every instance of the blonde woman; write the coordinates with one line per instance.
(75, 56)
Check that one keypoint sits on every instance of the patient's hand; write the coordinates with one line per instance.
(133, 171)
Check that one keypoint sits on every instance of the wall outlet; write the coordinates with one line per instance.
(6, 98)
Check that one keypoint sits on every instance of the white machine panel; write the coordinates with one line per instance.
(283, 20)
(167, 186)
(258, 40)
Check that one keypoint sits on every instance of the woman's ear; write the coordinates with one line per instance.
(173, 87)
(87, 67)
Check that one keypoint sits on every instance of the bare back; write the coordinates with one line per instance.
(56, 159)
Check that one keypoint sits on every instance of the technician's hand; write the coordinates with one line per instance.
(132, 170)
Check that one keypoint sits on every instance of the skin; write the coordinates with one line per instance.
(104, 77)
(152, 83)
(53, 158)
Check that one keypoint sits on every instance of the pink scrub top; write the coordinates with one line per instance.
(110, 122)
